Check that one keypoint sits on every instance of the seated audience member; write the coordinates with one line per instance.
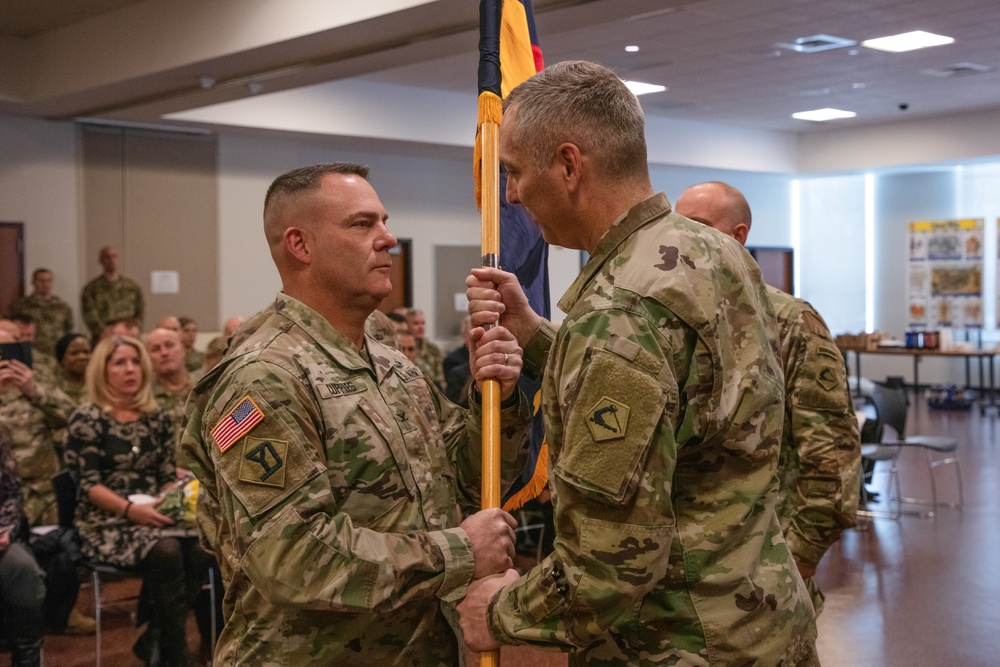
(43, 363)
(407, 344)
(429, 357)
(171, 381)
(398, 320)
(457, 374)
(123, 326)
(214, 352)
(231, 325)
(22, 581)
(72, 355)
(171, 322)
(120, 450)
(193, 359)
(52, 316)
(31, 411)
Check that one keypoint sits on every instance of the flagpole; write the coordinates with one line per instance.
(489, 135)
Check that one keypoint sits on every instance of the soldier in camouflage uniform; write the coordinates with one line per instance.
(110, 296)
(171, 380)
(52, 316)
(332, 467)
(31, 411)
(430, 359)
(662, 401)
(820, 463)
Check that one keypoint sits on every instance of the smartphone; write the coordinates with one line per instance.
(18, 351)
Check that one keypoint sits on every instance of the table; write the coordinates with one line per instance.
(984, 358)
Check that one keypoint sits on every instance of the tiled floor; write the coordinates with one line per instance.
(908, 593)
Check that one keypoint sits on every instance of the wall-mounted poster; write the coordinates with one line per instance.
(945, 286)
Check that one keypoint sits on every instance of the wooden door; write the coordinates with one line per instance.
(11, 263)
(402, 289)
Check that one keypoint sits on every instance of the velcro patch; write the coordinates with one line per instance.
(264, 462)
(608, 419)
(827, 378)
(334, 389)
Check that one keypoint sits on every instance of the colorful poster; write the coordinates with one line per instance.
(945, 286)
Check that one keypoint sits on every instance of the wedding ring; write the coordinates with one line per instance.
(505, 357)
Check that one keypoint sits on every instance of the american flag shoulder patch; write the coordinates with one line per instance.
(237, 423)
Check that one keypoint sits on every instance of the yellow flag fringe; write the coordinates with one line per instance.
(490, 109)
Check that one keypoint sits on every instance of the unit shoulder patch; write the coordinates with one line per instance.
(264, 462)
(608, 419)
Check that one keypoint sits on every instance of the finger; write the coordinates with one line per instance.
(510, 520)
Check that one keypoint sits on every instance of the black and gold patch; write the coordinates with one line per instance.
(264, 462)
(608, 419)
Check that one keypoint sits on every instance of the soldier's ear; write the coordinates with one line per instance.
(297, 244)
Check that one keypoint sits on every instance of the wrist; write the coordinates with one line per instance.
(128, 506)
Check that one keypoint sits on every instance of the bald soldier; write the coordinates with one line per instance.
(332, 466)
(171, 380)
(662, 403)
(819, 466)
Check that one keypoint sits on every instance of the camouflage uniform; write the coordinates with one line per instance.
(337, 530)
(31, 423)
(193, 360)
(662, 402)
(380, 327)
(431, 361)
(52, 317)
(820, 463)
(172, 403)
(103, 301)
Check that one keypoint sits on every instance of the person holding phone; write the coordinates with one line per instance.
(32, 411)
(120, 450)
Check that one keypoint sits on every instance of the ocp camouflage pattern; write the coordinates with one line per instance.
(334, 519)
(820, 462)
(662, 400)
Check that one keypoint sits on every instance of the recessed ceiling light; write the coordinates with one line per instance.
(815, 43)
(640, 88)
(907, 41)
(824, 114)
(631, 48)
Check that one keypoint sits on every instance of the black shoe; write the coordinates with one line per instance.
(26, 653)
(147, 648)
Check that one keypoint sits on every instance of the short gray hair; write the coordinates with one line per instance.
(585, 104)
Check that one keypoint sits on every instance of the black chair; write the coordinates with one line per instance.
(890, 401)
(874, 451)
(66, 498)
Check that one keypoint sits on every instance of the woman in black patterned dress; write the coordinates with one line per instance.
(119, 445)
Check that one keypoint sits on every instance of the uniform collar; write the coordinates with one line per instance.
(334, 343)
(635, 218)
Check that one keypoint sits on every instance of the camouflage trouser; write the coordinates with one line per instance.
(41, 507)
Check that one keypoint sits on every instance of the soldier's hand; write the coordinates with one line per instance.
(496, 297)
(145, 514)
(494, 354)
(19, 376)
(492, 535)
(472, 611)
(4, 541)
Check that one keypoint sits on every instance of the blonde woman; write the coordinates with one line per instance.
(119, 445)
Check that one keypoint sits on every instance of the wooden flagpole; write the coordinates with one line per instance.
(489, 134)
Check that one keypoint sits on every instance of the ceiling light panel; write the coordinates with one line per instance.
(640, 88)
(816, 43)
(820, 115)
(907, 41)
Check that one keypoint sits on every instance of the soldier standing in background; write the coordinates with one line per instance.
(430, 359)
(52, 316)
(110, 296)
(332, 466)
(662, 401)
(820, 463)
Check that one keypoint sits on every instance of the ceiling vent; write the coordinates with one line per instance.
(816, 43)
(958, 69)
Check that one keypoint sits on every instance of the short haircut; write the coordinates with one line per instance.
(308, 178)
(41, 269)
(23, 318)
(186, 321)
(585, 104)
(396, 317)
(96, 381)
